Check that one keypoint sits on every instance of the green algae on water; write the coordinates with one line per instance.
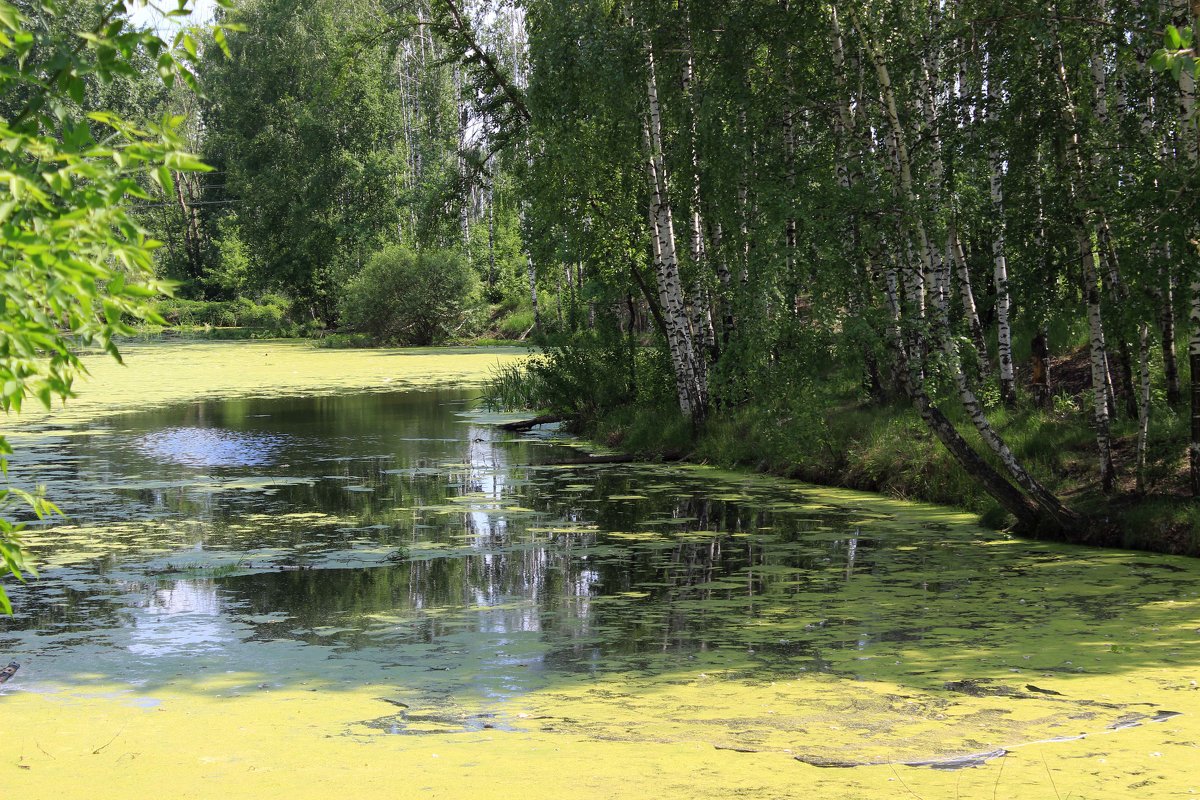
(235, 614)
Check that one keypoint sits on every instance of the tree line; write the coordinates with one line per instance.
(923, 192)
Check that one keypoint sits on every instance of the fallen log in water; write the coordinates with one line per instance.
(616, 458)
(529, 424)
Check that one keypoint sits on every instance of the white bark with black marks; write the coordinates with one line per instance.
(1008, 379)
(691, 385)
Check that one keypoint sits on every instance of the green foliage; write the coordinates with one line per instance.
(305, 118)
(1177, 54)
(233, 272)
(588, 376)
(75, 265)
(407, 297)
(517, 324)
(271, 313)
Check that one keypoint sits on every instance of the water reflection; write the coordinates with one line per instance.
(210, 447)
(396, 535)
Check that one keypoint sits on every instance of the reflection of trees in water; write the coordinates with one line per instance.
(502, 572)
(64, 609)
(554, 576)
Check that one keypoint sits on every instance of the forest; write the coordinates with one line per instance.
(599, 398)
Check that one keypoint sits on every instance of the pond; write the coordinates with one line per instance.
(291, 572)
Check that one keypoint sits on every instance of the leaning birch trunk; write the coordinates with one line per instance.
(692, 389)
(1009, 497)
(1064, 518)
(996, 485)
(968, 301)
(1008, 380)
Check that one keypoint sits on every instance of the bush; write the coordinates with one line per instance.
(185, 313)
(586, 376)
(271, 313)
(409, 298)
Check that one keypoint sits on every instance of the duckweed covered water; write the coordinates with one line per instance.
(337, 575)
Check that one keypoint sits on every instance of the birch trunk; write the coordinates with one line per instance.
(1008, 381)
(703, 330)
(968, 301)
(1143, 404)
(725, 279)
(1099, 361)
(690, 383)
(1166, 322)
(1101, 383)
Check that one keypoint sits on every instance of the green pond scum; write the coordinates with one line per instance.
(288, 572)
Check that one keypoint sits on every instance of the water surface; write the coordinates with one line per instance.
(476, 582)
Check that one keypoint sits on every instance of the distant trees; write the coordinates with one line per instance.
(340, 128)
(304, 121)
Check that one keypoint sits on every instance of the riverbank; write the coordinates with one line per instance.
(831, 435)
(887, 449)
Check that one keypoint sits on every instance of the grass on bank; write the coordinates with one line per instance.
(830, 434)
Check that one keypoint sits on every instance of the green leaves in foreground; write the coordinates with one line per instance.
(1176, 55)
(12, 554)
(75, 266)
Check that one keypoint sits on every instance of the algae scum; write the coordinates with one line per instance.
(396, 545)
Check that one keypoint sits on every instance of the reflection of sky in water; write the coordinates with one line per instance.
(210, 447)
(185, 618)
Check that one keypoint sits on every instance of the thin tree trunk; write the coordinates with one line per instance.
(491, 241)
(968, 301)
(1101, 382)
(533, 293)
(1166, 321)
(1143, 404)
(1039, 372)
(690, 382)
(1008, 381)
(1099, 361)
